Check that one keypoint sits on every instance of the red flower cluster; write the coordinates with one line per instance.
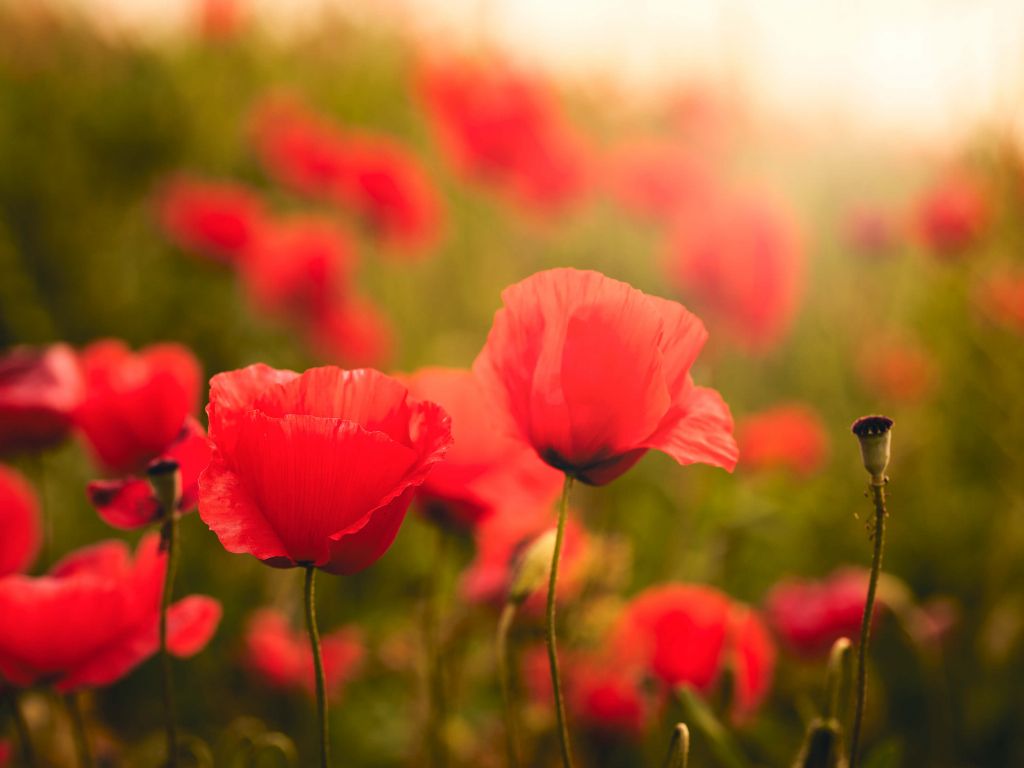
(138, 408)
(315, 468)
(486, 469)
(40, 388)
(214, 218)
(951, 215)
(505, 129)
(896, 368)
(283, 659)
(790, 437)
(1000, 297)
(94, 618)
(20, 528)
(595, 373)
(682, 634)
(810, 616)
(373, 175)
(741, 259)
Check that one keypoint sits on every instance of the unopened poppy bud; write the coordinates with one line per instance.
(165, 479)
(822, 747)
(874, 433)
(531, 569)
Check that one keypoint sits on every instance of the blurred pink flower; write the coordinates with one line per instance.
(40, 389)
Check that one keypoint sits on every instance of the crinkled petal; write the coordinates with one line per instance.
(233, 394)
(698, 431)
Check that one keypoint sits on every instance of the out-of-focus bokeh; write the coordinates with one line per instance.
(835, 188)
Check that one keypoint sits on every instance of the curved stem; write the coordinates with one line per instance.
(508, 615)
(318, 667)
(878, 497)
(24, 734)
(438, 706)
(170, 540)
(556, 679)
(78, 733)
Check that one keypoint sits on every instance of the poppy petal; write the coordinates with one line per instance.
(128, 503)
(698, 431)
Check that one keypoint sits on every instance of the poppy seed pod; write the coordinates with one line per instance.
(874, 433)
(165, 480)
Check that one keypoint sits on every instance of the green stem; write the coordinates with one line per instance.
(878, 497)
(726, 751)
(318, 667)
(170, 538)
(556, 679)
(438, 710)
(81, 738)
(508, 615)
(24, 734)
(679, 748)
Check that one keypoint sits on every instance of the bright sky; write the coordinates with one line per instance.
(926, 69)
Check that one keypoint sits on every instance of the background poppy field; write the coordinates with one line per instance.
(390, 191)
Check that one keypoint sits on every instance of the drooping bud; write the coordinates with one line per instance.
(532, 568)
(165, 479)
(875, 436)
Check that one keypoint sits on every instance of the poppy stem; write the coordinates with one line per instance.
(679, 747)
(170, 541)
(508, 615)
(24, 734)
(878, 497)
(78, 733)
(438, 710)
(556, 678)
(318, 667)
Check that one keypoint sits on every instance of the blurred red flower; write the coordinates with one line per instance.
(658, 180)
(221, 19)
(741, 259)
(503, 536)
(952, 214)
(811, 615)
(683, 634)
(20, 526)
(1000, 297)
(352, 331)
(605, 696)
(505, 129)
(213, 218)
(896, 368)
(594, 373)
(315, 468)
(299, 265)
(283, 659)
(95, 617)
(790, 437)
(138, 409)
(486, 468)
(40, 388)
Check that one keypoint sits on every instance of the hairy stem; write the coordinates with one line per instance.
(556, 679)
(318, 667)
(170, 538)
(508, 615)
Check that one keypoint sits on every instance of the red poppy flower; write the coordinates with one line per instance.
(605, 696)
(214, 218)
(742, 261)
(897, 369)
(391, 190)
(315, 468)
(283, 659)
(810, 616)
(506, 129)
(501, 537)
(686, 634)
(20, 529)
(594, 373)
(40, 388)
(221, 19)
(952, 214)
(486, 468)
(297, 147)
(790, 437)
(658, 180)
(1000, 297)
(299, 265)
(95, 617)
(353, 331)
(135, 402)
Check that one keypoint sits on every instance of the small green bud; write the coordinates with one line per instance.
(875, 436)
(531, 569)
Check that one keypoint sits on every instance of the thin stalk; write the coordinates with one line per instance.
(24, 734)
(878, 497)
(318, 667)
(170, 538)
(556, 679)
(78, 733)
(437, 717)
(679, 747)
(508, 615)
